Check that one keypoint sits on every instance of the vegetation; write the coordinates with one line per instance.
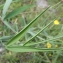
(29, 34)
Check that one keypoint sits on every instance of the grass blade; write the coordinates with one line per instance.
(30, 49)
(37, 33)
(40, 31)
(5, 8)
(17, 11)
(8, 25)
(55, 38)
(24, 30)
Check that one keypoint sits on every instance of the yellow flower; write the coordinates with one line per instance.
(49, 45)
(56, 22)
(56, 46)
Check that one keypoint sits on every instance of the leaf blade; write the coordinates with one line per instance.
(6, 6)
(17, 11)
(30, 49)
(24, 30)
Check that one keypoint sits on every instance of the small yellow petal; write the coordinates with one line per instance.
(49, 45)
(56, 22)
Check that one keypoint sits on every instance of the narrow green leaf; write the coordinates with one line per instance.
(5, 8)
(17, 11)
(52, 39)
(38, 33)
(9, 26)
(5, 37)
(24, 30)
(30, 49)
(33, 34)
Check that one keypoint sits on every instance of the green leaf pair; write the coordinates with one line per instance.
(17, 48)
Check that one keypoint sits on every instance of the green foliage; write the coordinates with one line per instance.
(17, 11)
(26, 29)
(23, 31)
